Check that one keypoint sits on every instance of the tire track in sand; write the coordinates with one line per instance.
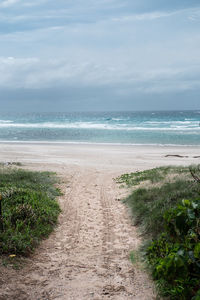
(87, 255)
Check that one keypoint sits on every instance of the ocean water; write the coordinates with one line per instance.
(149, 128)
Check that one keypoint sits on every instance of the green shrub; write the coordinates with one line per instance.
(175, 256)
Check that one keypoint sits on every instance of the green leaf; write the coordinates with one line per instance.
(197, 251)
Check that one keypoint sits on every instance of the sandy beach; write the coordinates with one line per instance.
(101, 156)
(87, 256)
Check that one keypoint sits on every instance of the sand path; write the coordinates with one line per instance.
(87, 256)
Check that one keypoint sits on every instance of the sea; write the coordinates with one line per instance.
(132, 128)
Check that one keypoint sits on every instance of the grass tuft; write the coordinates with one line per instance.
(167, 187)
(29, 209)
(148, 205)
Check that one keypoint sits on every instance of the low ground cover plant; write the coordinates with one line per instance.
(153, 175)
(29, 209)
(169, 218)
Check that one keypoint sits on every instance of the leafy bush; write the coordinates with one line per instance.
(29, 209)
(175, 256)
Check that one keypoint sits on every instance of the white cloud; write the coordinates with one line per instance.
(23, 3)
(195, 15)
(191, 13)
(8, 3)
(144, 17)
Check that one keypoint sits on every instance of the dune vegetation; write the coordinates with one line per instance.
(165, 204)
(29, 209)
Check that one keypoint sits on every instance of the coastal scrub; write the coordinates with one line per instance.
(29, 210)
(167, 211)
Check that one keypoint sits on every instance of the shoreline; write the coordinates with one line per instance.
(97, 144)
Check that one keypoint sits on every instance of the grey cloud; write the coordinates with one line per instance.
(101, 99)
(33, 73)
(106, 53)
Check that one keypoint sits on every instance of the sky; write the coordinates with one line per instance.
(87, 55)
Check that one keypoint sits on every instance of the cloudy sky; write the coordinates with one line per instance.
(69, 55)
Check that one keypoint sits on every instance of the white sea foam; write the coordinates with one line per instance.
(172, 122)
(6, 121)
(103, 126)
(118, 119)
(97, 143)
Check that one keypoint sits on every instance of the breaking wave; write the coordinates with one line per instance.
(105, 126)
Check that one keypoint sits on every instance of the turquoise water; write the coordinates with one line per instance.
(168, 128)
